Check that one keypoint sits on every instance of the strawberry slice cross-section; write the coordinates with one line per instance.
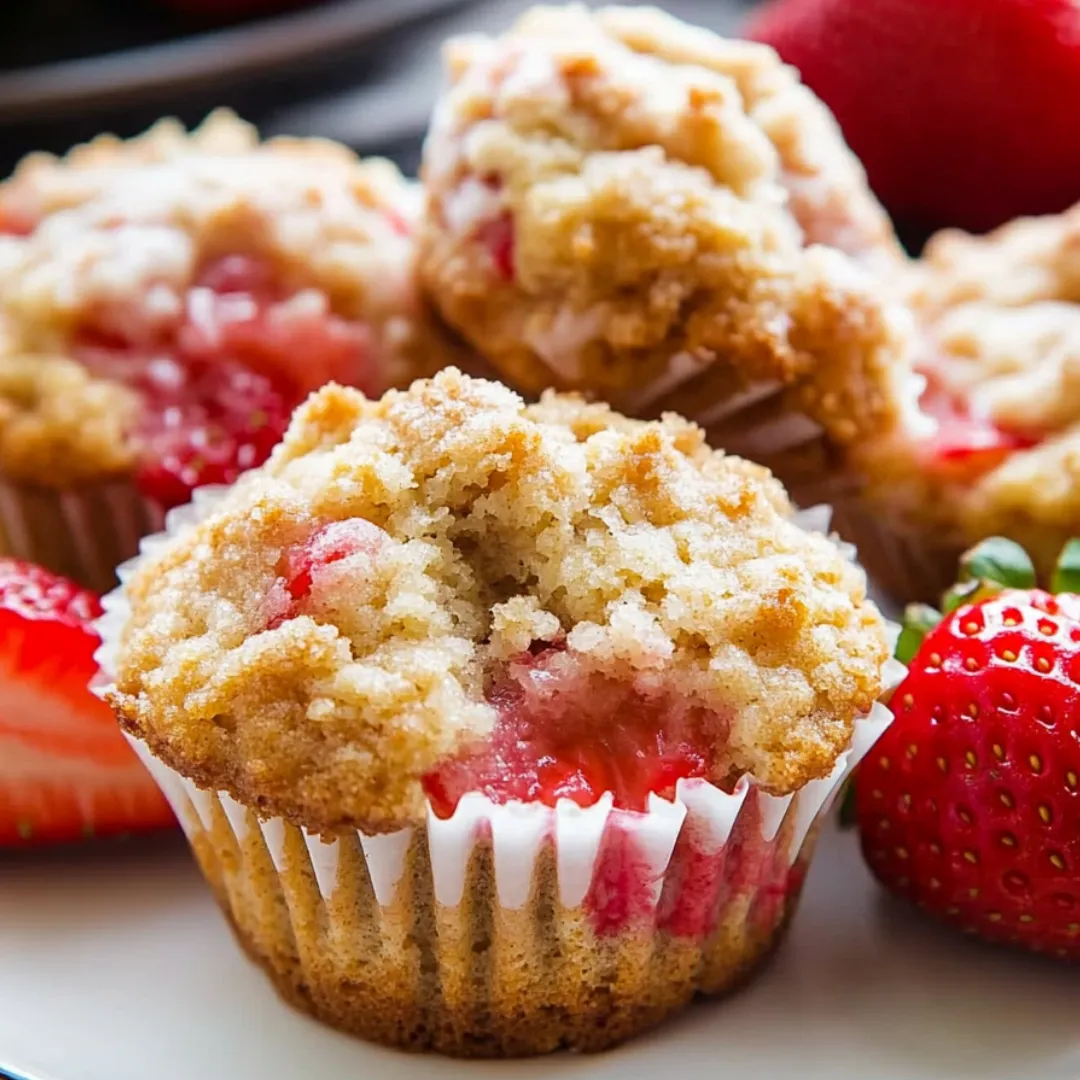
(65, 771)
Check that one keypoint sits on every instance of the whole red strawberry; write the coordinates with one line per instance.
(969, 805)
(963, 111)
(65, 771)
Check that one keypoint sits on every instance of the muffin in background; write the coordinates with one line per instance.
(994, 447)
(165, 303)
(630, 207)
(497, 728)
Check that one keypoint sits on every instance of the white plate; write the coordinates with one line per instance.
(117, 966)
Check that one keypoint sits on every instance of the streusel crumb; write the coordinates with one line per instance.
(56, 418)
(105, 245)
(439, 532)
(622, 205)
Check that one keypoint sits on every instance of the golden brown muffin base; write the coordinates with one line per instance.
(83, 534)
(478, 980)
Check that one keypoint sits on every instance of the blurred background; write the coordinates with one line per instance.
(360, 71)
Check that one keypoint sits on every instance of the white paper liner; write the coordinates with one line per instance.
(665, 845)
(83, 533)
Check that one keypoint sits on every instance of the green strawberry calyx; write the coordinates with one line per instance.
(986, 569)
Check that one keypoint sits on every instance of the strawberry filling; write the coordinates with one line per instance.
(560, 735)
(304, 566)
(218, 386)
(497, 236)
(14, 223)
(963, 444)
(563, 734)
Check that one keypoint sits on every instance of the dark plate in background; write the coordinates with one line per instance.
(71, 68)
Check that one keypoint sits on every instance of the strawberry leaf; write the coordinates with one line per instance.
(1066, 577)
(998, 561)
(919, 620)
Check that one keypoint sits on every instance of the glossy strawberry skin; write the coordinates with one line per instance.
(962, 111)
(65, 771)
(969, 805)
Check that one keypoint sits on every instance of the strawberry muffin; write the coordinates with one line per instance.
(998, 447)
(165, 303)
(497, 728)
(640, 210)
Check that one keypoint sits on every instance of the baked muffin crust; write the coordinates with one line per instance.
(619, 203)
(485, 525)
(111, 237)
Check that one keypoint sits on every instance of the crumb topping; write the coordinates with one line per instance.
(111, 237)
(622, 204)
(1003, 312)
(334, 629)
(55, 417)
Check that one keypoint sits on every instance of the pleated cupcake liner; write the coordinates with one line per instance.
(84, 534)
(507, 929)
(904, 566)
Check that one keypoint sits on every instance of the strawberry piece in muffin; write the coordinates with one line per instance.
(961, 444)
(553, 740)
(167, 302)
(216, 390)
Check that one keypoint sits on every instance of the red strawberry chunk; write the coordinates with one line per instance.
(497, 236)
(65, 770)
(216, 422)
(330, 543)
(970, 803)
(562, 736)
(14, 222)
(962, 443)
(219, 389)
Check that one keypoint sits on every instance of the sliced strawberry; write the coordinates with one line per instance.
(65, 770)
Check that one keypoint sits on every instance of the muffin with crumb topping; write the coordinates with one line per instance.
(993, 448)
(165, 303)
(642, 211)
(497, 728)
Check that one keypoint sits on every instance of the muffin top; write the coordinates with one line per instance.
(1000, 321)
(631, 207)
(347, 618)
(121, 253)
